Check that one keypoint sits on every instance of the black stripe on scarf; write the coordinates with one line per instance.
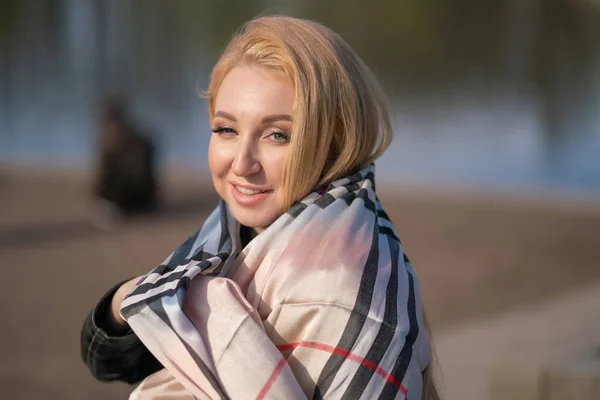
(399, 371)
(158, 309)
(297, 209)
(371, 176)
(382, 214)
(385, 335)
(203, 265)
(349, 198)
(357, 177)
(369, 204)
(134, 308)
(325, 200)
(388, 232)
(144, 287)
(356, 321)
(179, 256)
(351, 187)
(226, 244)
(182, 283)
(362, 194)
(223, 224)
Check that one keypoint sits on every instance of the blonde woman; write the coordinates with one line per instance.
(297, 285)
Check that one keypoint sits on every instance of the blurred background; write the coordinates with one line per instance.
(493, 179)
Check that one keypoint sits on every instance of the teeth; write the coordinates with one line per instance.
(247, 191)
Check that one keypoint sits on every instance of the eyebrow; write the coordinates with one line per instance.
(225, 115)
(278, 117)
(265, 120)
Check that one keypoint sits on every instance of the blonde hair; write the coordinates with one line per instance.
(341, 121)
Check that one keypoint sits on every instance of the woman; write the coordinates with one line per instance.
(296, 286)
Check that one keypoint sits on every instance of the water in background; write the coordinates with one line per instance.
(485, 94)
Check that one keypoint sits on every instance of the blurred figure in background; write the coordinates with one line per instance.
(125, 179)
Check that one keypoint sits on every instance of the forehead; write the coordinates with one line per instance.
(255, 89)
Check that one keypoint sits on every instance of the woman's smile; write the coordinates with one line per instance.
(247, 196)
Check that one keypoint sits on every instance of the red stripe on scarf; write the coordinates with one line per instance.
(267, 386)
(343, 353)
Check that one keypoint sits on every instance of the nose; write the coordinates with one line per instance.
(246, 161)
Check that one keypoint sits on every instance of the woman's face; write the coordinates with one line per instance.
(250, 140)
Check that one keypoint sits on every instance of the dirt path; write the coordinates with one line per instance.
(474, 258)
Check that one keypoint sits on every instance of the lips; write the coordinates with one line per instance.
(248, 196)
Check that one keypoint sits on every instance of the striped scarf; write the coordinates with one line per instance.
(323, 304)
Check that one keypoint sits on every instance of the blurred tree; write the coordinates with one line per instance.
(8, 17)
(8, 14)
(423, 51)
(403, 41)
(566, 44)
(223, 18)
(173, 40)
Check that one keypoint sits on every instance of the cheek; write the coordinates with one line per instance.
(217, 159)
(275, 171)
(274, 166)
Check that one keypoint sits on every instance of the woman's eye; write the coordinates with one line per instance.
(280, 137)
(223, 129)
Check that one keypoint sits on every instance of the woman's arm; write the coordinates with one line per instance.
(117, 325)
(109, 348)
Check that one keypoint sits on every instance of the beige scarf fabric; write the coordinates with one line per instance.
(322, 304)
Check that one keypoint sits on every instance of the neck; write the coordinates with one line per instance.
(247, 234)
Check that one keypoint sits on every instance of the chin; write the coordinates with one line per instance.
(253, 219)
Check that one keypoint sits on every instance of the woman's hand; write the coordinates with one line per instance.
(115, 320)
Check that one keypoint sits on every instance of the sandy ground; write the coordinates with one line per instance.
(548, 350)
(476, 255)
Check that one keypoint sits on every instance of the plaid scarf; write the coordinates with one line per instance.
(322, 303)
